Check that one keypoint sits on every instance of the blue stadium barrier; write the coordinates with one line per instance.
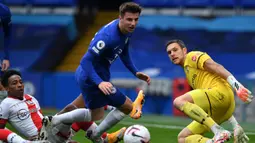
(33, 83)
(59, 89)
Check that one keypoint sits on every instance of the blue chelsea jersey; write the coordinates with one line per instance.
(109, 42)
(107, 45)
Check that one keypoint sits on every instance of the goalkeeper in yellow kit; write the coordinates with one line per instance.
(212, 100)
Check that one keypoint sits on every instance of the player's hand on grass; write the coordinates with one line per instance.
(239, 135)
(106, 87)
(143, 77)
(5, 65)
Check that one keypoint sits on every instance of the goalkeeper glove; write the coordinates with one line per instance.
(243, 93)
(239, 135)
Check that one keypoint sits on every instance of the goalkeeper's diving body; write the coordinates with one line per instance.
(211, 102)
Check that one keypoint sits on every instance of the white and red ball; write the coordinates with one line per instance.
(137, 134)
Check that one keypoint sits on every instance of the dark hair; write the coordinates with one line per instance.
(180, 42)
(7, 74)
(129, 7)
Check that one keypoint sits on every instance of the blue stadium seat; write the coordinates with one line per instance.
(247, 3)
(160, 3)
(224, 3)
(16, 2)
(197, 3)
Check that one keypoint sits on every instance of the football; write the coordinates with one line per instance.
(137, 134)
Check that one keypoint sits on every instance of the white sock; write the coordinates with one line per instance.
(215, 128)
(109, 121)
(63, 128)
(14, 138)
(233, 122)
(92, 127)
(209, 141)
(77, 115)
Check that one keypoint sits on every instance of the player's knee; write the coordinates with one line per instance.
(181, 100)
(181, 137)
(181, 140)
(178, 102)
(70, 107)
(79, 102)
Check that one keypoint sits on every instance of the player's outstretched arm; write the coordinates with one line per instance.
(127, 61)
(244, 94)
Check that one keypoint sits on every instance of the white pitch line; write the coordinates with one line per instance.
(166, 126)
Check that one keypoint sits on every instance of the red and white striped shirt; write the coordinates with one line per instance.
(24, 115)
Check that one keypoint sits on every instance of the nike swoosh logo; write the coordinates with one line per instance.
(136, 135)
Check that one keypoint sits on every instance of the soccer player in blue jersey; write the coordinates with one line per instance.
(5, 23)
(93, 74)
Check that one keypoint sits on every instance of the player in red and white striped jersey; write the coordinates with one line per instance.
(24, 114)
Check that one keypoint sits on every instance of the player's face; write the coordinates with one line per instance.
(129, 21)
(15, 86)
(176, 53)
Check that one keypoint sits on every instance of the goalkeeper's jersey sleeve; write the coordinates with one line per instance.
(197, 76)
